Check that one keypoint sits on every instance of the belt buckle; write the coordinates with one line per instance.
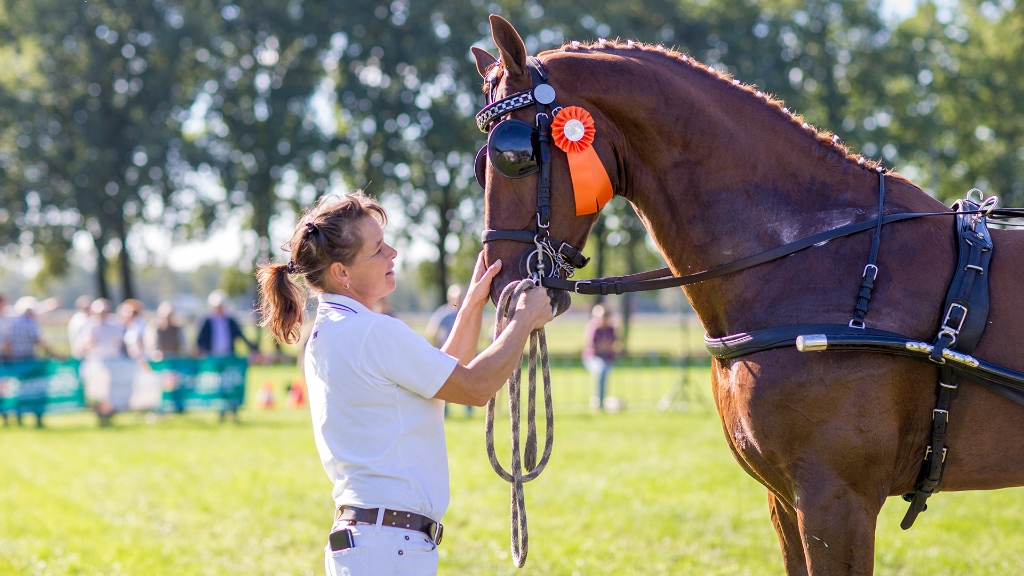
(436, 532)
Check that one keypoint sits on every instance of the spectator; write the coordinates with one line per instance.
(443, 319)
(219, 331)
(165, 338)
(76, 325)
(23, 332)
(600, 349)
(129, 313)
(441, 323)
(217, 338)
(107, 373)
(103, 335)
(24, 336)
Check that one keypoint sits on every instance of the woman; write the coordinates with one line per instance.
(600, 347)
(377, 389)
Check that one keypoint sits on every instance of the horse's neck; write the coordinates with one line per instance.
(730, 177)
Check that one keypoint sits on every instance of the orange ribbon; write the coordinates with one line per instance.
(573, 132)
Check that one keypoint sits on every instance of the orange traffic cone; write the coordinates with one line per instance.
(297, 394)
(265, 398)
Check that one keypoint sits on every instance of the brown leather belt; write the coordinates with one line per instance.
(395, 518)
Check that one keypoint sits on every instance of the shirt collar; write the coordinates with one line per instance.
(344, 301)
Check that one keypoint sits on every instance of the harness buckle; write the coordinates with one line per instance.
(874, 275)
(857, 323)
(953, 330)
(928, 452)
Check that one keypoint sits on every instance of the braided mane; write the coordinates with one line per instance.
(829, 141)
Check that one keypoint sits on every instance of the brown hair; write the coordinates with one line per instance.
(326, 233)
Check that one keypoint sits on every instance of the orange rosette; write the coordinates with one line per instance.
(573, 132)
(576, 140)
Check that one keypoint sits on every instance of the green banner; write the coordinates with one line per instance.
(40, 386)
(171, 385)
(217, 383)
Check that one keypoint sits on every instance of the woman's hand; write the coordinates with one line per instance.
(535, 307)
(480, 286)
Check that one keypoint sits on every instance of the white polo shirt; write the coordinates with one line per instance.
(380, 433)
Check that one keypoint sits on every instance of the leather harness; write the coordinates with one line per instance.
(552, 262)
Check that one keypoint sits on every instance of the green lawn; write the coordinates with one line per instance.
(638, 492)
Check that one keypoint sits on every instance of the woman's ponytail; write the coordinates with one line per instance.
(281, 302)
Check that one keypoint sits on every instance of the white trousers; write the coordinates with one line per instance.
(383, 551)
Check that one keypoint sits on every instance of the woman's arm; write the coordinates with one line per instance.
(475, 383)
(465, 334)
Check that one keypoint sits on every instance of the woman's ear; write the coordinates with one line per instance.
(338, 274)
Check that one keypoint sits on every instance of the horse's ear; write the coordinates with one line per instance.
(484, 60)
(510, 46)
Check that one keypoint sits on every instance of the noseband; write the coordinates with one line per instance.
(517, 149)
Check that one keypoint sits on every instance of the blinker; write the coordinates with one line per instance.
(512, 149)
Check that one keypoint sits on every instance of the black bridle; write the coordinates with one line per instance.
(550, 260)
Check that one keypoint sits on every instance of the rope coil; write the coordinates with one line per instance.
(516, 476)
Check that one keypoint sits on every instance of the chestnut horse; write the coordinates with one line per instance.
(719, 171)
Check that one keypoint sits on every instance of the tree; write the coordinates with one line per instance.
(407, 90)
(951, 113)
(96, 122)
(252, 114)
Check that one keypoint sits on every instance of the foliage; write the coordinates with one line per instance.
(94, 128)
(250, 116)
(951, 108)
(182, 113)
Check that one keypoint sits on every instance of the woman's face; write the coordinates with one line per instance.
(371, 275)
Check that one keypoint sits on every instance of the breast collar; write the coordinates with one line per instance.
(551, 258)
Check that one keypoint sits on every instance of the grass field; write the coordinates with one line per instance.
(638, 492)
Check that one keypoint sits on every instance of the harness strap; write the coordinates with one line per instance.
(662, 278)
(963, 322)
(867, 284)
(607, 286)
(544, 144)
(841, 338)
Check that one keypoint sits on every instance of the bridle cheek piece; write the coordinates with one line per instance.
(516, 149)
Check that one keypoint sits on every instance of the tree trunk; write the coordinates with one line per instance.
(443, 229)
(262, 209)
(127, 290)
(102, 290)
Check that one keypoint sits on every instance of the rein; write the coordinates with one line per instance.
(515, 476)
(662, 278)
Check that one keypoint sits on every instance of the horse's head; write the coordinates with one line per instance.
(532, 219)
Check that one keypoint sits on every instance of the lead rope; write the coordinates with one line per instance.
(533, 468)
